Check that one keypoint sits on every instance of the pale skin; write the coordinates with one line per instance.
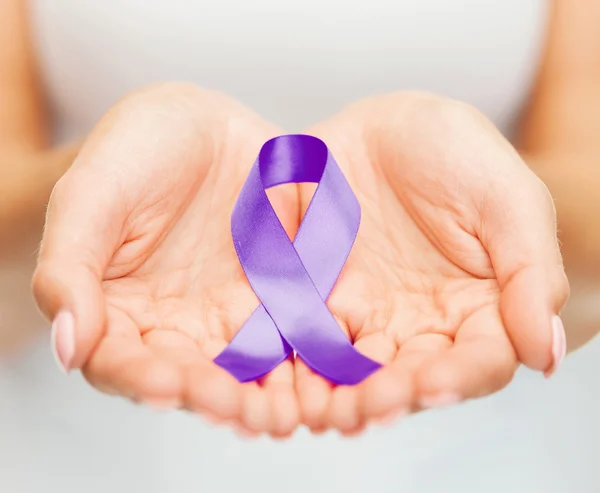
(455, 278)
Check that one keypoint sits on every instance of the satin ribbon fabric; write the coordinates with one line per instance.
(293, 280)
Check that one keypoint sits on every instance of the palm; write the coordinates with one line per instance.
(151, 242)
(176, 293)
(418, 291)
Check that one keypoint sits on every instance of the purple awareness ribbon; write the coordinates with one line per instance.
(293, 280)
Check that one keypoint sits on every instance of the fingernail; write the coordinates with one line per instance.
(162, 403)
(439, 400)
(63, 340)
(559, 345)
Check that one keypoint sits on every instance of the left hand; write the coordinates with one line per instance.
(137, 268)
(456, 275)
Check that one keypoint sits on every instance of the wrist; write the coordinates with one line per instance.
(27, 178)
(574, 181)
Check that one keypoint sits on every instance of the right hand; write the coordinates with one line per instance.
(137, 268)
(455, 277)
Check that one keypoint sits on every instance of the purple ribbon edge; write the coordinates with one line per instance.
(293, 280)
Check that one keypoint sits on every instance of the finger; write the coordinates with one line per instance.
(84, 221)
(518, 229)
(180, 349)
(123, 365)
(344, 409)
(344, 412)
(210, 389)
(283, 402)
(244, 433)
(481, 361)
(116, 172)
(314, 394)
(390, 393)
(255, 413)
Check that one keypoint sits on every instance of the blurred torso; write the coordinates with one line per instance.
(295, 63)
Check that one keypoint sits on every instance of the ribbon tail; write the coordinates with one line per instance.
(256, 350)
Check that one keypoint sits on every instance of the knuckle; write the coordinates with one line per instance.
(540, 189)
(563, 287)
(456, 113)
(450, 130)
(161, 91)
(38, 283)
(59, 190)
(42, 284)
(150, 106)
(451, 115)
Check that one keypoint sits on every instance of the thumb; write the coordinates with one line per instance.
(519, 233)
(83, 225)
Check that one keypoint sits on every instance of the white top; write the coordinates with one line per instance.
(294, 62)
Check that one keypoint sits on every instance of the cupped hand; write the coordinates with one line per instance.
(137, 267)
(456, 275)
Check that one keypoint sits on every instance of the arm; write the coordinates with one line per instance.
(560, 131)
(560, 138)
(28, 172)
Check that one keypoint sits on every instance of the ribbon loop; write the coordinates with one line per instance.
(293, 280)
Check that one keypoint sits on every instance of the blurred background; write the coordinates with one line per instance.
(78, 57)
